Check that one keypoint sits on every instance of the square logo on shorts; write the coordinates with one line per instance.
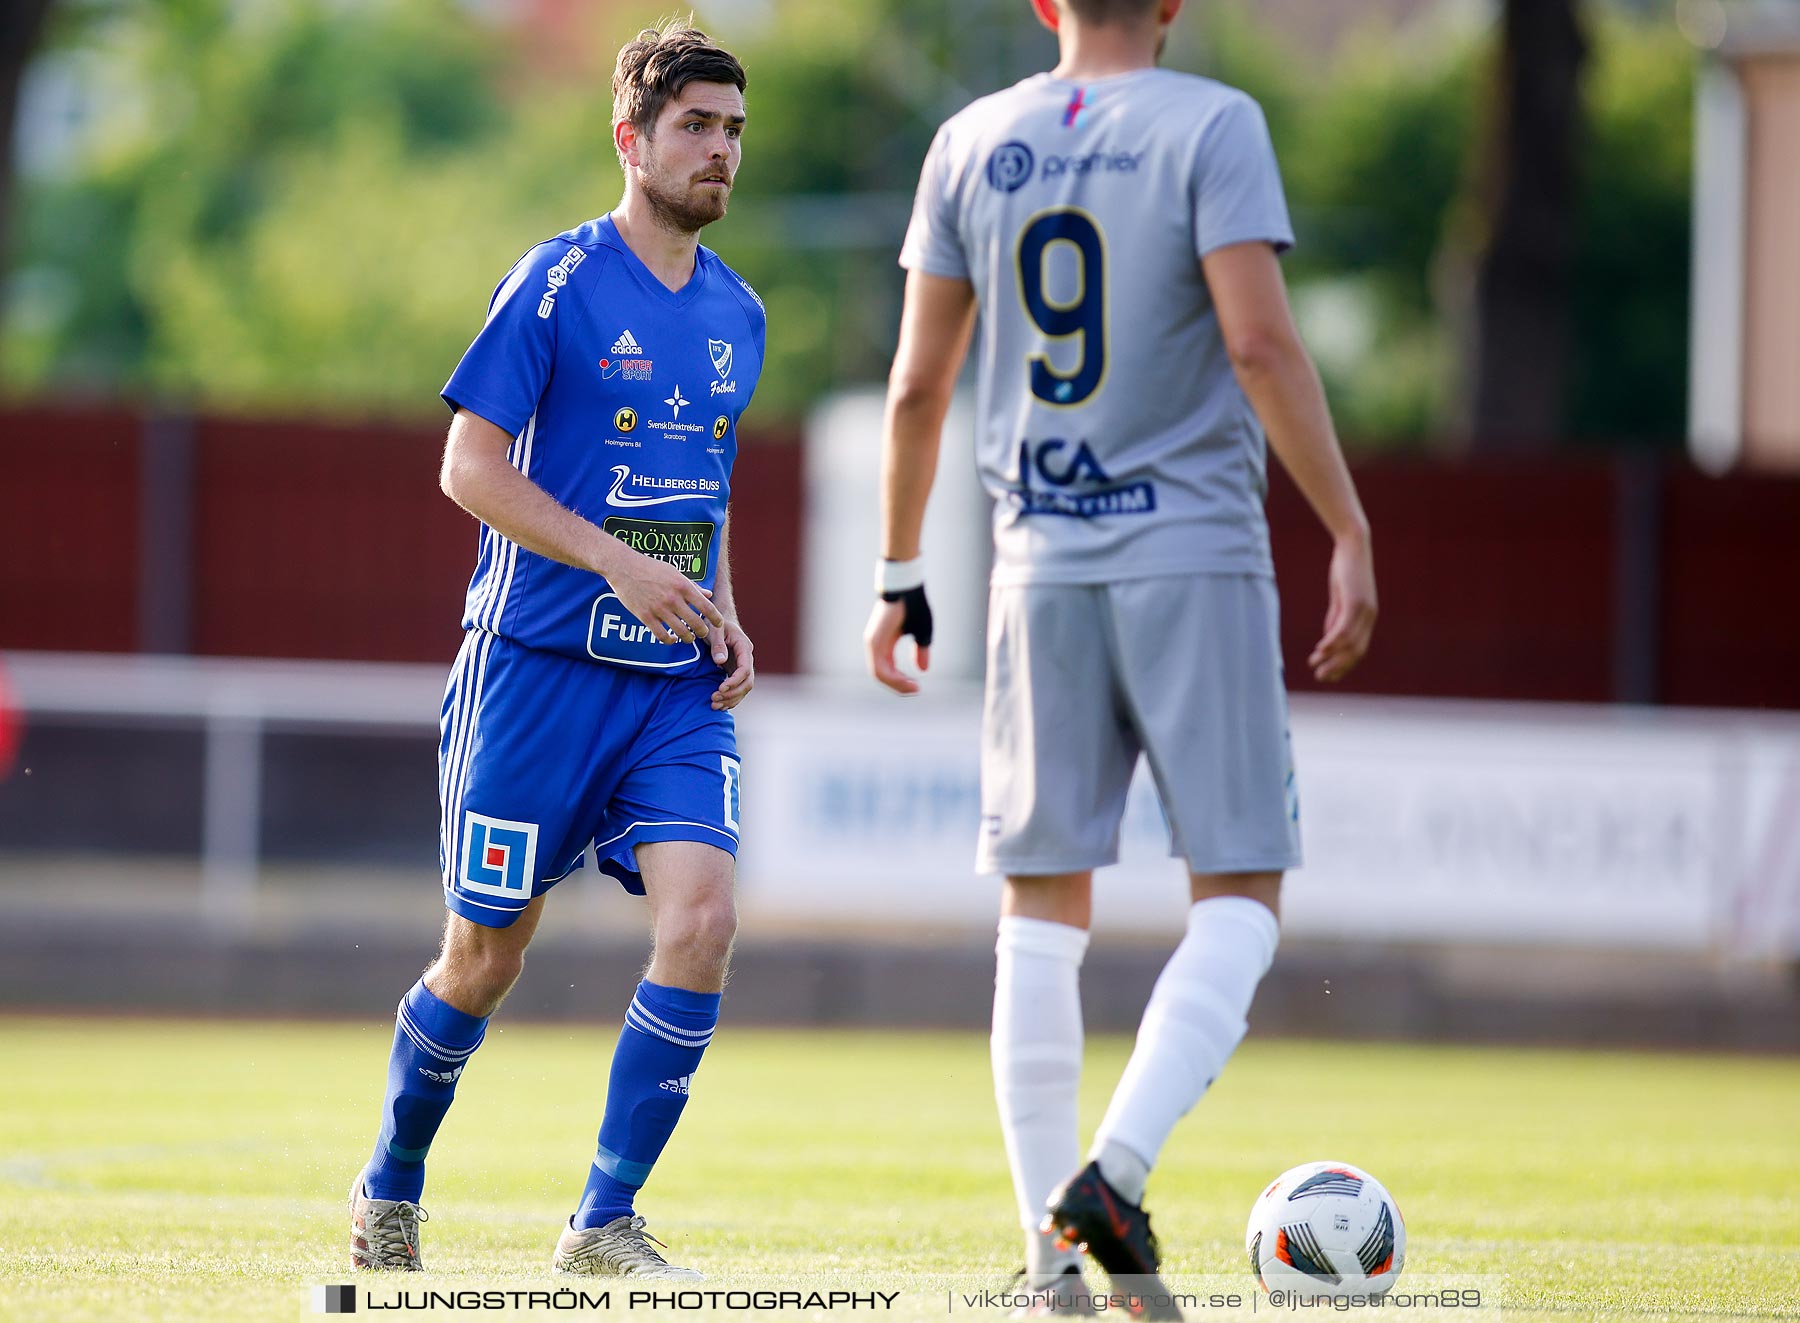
(499, 856)
(734, 774)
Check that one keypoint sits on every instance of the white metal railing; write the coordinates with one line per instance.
(1435, 821)
(234, 701)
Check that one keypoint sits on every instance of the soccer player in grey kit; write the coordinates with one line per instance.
(1118, 227)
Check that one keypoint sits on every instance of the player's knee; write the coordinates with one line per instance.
(1263, 887)
(700, 934)
(479, 984)
(714, 928)
(482, 970)
(498, 969)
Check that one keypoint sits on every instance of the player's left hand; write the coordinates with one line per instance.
(734, 654)
(1350, 616)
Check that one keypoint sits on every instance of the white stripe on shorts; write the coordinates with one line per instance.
(462, 742)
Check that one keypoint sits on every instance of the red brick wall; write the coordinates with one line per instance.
(325, 542)
(309, 539)
(1498, 580)
(68, 530)
(1731, 592)
(1495, 580)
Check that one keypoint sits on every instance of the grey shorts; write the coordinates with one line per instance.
(1082, 678)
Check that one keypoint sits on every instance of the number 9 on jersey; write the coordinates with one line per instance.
(1083, 315)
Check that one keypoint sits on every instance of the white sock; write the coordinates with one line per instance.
(1193, 1023)
(1036, 1049)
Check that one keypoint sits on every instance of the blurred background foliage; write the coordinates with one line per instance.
(300, 206)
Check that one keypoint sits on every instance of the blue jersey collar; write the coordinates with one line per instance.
(609, 235)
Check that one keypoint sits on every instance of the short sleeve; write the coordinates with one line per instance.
(756, 314)
(503, 373)
(932, 242)
(1237, 193)
(756, 317)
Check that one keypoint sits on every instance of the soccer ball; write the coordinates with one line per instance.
(1326, 1229)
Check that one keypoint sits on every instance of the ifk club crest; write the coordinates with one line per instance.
(721, 361)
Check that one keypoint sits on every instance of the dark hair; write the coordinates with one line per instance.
(1101, 12)
(653, 68)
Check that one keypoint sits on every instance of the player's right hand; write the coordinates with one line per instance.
(910, 614)
(676, 609)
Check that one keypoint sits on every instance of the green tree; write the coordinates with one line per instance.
(1530, 185)
(20, 23)
(1375, 172)
(302, 204)
(305, 206)
(218, 241)
(1629, 379)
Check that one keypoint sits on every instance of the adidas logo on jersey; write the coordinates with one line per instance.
(627, 344)
(677, 1086)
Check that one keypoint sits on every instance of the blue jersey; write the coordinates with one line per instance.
(623, 398)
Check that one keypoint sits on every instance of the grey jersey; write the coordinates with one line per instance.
(1111, 430)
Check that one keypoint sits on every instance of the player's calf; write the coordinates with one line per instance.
(433, 1042)
(666, 1032)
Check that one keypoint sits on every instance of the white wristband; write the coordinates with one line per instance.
(898, 576)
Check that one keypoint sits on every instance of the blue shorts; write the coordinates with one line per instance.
(543, 755)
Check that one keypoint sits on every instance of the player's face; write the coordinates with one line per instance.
(688, 165)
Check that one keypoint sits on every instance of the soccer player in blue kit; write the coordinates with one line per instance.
(590, 706)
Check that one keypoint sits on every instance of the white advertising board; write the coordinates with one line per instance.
(1426, 821)
(1495, 823)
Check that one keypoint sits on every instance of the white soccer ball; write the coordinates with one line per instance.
(1326, 1229)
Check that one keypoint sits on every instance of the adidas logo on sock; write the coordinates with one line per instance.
(677, 1086)
(627, 344)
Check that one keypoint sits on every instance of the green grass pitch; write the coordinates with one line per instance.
(153, 1169)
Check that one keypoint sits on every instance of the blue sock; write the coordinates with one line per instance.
(432, 1041)
(666, 1030)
